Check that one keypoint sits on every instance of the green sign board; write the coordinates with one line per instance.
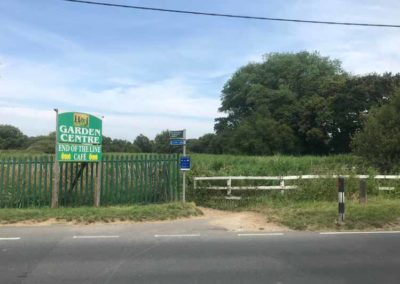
(79, 137)
(176, 134)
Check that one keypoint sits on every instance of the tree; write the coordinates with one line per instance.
(143, 144)
(348, 106)
(161, 144)
(204, 144)
(11, 137)
(309, 98)
(288, 92)
(118, 145)
(107, 141)
(43, 143)
(378, 142)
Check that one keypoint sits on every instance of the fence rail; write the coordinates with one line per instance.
(27, 182)
(282, 186)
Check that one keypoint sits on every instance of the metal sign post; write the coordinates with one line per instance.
(184, 172)
(178, 138)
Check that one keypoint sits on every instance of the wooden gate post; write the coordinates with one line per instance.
(98, 185)
(341, 200)
(363, 191)
(56, 171)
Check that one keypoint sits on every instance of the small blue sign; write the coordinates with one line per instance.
(177, 142)
(185, 163)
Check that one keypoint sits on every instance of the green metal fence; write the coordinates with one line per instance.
(125, 179)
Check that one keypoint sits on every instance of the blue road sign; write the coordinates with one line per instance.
(177, 142)
(185, 163)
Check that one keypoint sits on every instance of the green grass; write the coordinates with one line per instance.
(208, 165)
(5, 154)
(377, 213)
(153, 212)
(322, 189)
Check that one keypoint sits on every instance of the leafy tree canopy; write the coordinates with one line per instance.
(11, 137)
(378, 141)
(143, 144)
(296, 103)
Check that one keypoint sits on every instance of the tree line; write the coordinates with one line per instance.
(12, 138)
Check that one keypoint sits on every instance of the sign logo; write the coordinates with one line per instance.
(81, 119)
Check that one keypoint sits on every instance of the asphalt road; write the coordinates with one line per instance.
(192, 252)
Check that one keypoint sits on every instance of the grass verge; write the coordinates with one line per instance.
(378, 213)
(153, 212)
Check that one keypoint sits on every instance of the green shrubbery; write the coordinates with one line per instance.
(308, 190)
(379, 141)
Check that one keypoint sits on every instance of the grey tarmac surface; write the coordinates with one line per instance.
(192, 251)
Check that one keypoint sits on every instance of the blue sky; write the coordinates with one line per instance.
(150, 71)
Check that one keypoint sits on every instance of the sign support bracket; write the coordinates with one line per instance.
(79, 174)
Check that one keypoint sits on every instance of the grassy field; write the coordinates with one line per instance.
(87, 215)
(204, 164)
(323, 189)
(378, 213)
(221, 165)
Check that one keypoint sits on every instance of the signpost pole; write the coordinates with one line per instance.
(184, 172)
(56, 171)
(178, 138)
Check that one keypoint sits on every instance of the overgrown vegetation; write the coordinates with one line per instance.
(378, 141)
(313, 206)
(378, 213)
(320, 189)
(137, 213)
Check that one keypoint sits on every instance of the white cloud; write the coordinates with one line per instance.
(30, 121)
(361, 49)
(28, 89)
(33, 121)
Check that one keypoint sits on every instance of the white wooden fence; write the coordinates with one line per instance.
(229, 188)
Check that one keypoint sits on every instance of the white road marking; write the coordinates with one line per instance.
(10, 239)
(95, 237)
(353, 233)
(177, 236)
(259, 234)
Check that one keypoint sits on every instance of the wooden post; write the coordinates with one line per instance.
(341, 200)
(98, 185)
(282, 184)
(229, 184)
(56, 171)
(363, 191)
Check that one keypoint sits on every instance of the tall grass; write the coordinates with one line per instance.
(308, 190)
(214, 165)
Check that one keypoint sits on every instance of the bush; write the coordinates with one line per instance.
(379, 141)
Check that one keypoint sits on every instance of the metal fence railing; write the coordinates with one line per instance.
(125, 179)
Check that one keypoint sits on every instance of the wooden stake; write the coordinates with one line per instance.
(97, 186)
(56, 171)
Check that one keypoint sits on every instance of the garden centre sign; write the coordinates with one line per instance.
(79, 137)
